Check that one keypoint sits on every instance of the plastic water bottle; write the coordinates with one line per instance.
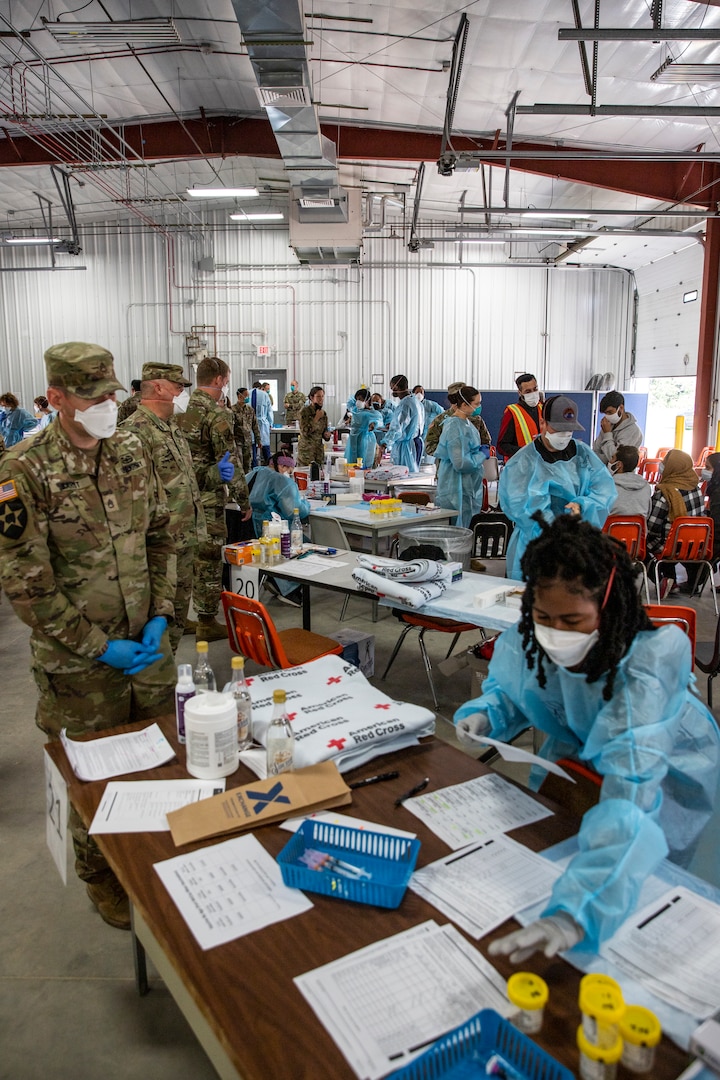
(184, 690)
(243, 702)
(280, 739)
(296, 534)
(203, 675)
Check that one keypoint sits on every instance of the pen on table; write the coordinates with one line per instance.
(413, 791)
(374, 779)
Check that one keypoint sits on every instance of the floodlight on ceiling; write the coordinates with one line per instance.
(258, 217)
(33, 240)
(223, 192)
(130, 31)
(670, 72)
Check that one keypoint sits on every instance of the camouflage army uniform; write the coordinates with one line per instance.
(86, 555)
(128, 407)
(435, 430)
(294, 403)
(310, 443)
(169, 450)
(247, 432)
(209, 430)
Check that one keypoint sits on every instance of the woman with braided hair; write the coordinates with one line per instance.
(585, 666)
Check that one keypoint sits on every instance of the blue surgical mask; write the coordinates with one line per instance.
(477, 411)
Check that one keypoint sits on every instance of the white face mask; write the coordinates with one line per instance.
(532, 399)
(613, 418)
(558, 439)
(180, 403)
(706, 474)
(420, 397)
(566, 648)
(99, 420)
(613, 466)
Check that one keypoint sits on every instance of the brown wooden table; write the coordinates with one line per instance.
(240, 999)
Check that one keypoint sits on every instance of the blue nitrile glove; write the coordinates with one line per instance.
(226, 467)
(485, 450)
(153, 631)
(130, 657)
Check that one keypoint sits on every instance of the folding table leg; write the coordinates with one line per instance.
(139, 960)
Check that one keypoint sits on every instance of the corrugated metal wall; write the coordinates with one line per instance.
(422, 314)
(668, 329)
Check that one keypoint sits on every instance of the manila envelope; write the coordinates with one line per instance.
(318, 787)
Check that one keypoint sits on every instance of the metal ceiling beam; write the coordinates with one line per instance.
(618, 110)
(675, 176)
(634, 34)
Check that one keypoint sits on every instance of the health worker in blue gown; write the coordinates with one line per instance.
(403, 438)
(554, 474)
(260, 401)
(273, 490)
(362, 444)
(460, 456)
(586, 667)
(430, 408)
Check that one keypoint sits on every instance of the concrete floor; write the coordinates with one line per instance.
(68, 1005)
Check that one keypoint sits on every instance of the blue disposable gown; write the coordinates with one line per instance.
(529, 483)
(460, 456)
(260, 401)
(361, 441)
(431, 410)
(273, 492)
(655, 745)
(406, 423)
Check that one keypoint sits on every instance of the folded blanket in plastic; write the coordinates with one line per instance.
(413, 595)
(336, 715)
(388, 472)
(413, 570)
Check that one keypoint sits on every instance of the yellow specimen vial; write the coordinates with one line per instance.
(598, 977)
(529, 994)
(598, 1062)
(640, 1030)
(602, 1008)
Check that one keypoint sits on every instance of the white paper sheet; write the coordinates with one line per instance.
(384, 1004)
(142, 805)
(117, 755)
(514, 753)
(482, 886)
(330, 817)
(229, 890)
(673, 947)
(476, 810)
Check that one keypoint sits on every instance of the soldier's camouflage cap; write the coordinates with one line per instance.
(82, 369)
(171, 372)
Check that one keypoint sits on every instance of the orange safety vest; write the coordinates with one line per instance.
(525, 427)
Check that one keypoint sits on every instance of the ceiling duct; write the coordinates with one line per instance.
(274, 34)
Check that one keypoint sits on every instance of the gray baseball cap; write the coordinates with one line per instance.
(560, 413)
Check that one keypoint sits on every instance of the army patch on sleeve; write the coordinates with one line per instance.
(13, 515)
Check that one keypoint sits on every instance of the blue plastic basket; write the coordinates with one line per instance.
(390, 861)
(463, 1053)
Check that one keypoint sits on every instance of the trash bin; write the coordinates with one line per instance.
(454, 543)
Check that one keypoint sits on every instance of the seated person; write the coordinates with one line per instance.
(677, 494)
(273, 490)
(585, 666)
(633, 491)
(617, 427)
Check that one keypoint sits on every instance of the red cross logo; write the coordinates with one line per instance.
(334, 679)
(338, 744)
(381, 706)
(250, 681)
(291, 715)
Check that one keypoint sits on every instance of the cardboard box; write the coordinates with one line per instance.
(358, 649)
(239, 554)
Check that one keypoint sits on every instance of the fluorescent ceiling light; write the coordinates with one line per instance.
(132, 31)
(670, 72)
(482, 240)
(223, 192)
(548, 231)
(32, 240)
(257, 217)
(571, 215)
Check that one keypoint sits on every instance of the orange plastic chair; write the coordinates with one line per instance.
(642, 456)
(424, 623)
(252, 633)
(631, 531)
(662, 452)
(651, 469)
(704, 455)
(684, 617)
(690, 540)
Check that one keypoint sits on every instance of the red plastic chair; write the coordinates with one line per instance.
(631, 531)
(252, 633)
(651, 469)
(642, 456)
(690, 540)
(684, 617)
(424, 623)
(704, 454)
(663, 451)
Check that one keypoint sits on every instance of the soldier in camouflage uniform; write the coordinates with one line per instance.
(247, 432)
(130, 404)
(87, 561)
(313, 429)
(163, 392)
(435, 429)
(294, 403)
(209, 430)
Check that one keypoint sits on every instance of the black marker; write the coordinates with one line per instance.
(413, 791)
(374, 779)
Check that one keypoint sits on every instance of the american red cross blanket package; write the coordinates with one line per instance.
(336, 715)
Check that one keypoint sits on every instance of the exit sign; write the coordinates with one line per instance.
(263, 350)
